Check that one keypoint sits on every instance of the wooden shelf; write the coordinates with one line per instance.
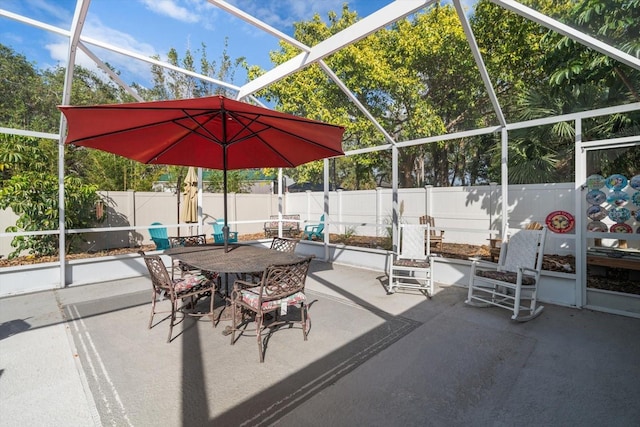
(605, 261)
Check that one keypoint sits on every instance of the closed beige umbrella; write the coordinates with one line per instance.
(190, 202)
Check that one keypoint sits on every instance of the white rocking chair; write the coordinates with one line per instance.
(411, 268)
(515, 278)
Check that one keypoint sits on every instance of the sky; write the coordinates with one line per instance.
(153, 27)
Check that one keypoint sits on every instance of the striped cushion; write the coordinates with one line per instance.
(411, 263)
(506, 276)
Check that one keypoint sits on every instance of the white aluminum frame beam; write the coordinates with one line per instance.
(82, 7)
(259, 24)
(284, 37)
(479, 62)
(109, 72)
(379, 19)
(355, 100)
(116, 49)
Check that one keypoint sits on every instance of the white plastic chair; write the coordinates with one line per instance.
(411, 267)
(514, 279)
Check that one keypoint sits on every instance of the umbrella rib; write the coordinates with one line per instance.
(211, 136)
(256, 134)
(145, 126)
(189, 131)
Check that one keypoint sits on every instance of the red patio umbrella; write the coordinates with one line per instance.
(211, 132)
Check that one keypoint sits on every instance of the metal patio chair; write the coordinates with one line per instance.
(188, 288)
(281, 287)
(281, 244)
(182, 241)
(284, 244)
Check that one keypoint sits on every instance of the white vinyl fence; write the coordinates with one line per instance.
(467, 214)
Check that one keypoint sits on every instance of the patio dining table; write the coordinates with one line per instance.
(240, 259)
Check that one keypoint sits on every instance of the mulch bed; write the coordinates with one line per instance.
(559, 263)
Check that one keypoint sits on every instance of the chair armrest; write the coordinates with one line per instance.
(532, 270)
(239, 286)
(482, 263)
(243, 284)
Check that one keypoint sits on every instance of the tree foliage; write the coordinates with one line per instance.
(30, 189)
(417, 78)
(37, 209)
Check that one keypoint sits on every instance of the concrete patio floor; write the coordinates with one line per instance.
(84, 356)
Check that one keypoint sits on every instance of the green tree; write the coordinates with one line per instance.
(28, 166)
(417, 78)
(617, 22)
(25, 99)
(576, 78)
(37, 209)
(30, 189)
(235, 182)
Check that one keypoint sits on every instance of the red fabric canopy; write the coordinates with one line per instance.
(195, 132)
(212, 132)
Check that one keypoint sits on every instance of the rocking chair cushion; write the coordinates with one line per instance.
(506, 276)
(188, 283)
(411, 263)
(251, 298)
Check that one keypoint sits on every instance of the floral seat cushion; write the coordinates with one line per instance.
(190, 283)
(506, 276)
(251, 299)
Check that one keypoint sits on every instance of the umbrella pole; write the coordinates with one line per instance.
(225, 227)
(178, 194)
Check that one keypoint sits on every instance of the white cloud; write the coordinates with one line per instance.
(282, 14)
(171, 9)
(49, 8)
(94, 28)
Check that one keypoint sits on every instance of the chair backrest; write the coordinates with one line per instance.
(428, 220)
(284, 245)
(534, 226)
(523, 248)
(158, 233)
(196, 240)
(217, 226)
(159, 236)
(321, 225)
(414, 241)
(160, 278)
(281, 280)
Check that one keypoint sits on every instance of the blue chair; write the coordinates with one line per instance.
(312, 231)
(218, 236)
(159, 237)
